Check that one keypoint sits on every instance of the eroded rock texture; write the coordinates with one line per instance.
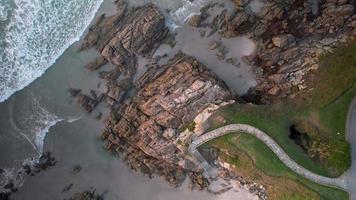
(290, 36)
(128, 33)
(120, 38)
(148, 128)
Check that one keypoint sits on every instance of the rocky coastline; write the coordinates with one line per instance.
(291, 36)
(151, 120)
(45, 161)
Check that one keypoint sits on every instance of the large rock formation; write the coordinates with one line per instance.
(120, 38)
(148, 129)
(290, 36)
(128, 33)
(142, 32)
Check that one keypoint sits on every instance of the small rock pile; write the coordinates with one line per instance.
(45, 162)
(87, 195)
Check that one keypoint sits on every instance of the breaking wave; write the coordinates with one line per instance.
(188, 10)
(32, 126)
(36, 33)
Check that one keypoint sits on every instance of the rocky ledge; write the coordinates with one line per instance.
(123, 36)
(119, 39)
(147, 130)
(290, 37)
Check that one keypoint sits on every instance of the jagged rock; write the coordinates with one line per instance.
(283, 41)
(198, 181)
(240, 3)
(195, 20)
(221, 53)
(111, 75)
(290, 38)
(74, 92)
(104, 28)
(87, 195)
(96, 64)
(117, 90)
(142, 30)
(214, 45)
(87, 102)
(67, 187)
(274, 91)
(232, 61)
(46, 160)
(339, 11)
(166, 100)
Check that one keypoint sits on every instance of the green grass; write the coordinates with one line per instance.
(256, 162)
(334, 115)
(322, 110)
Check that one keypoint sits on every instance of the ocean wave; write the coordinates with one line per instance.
(34, 123)
(4, 9)
(188, 10)
(38, 32)
(33, 127)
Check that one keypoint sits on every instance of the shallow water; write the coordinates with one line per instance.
(73, 135)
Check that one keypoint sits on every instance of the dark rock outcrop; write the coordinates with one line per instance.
(96, 64)
(87, 195)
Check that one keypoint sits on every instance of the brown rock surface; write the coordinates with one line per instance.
(120, 38)
(290, 37)
(141, 32)
(96, 64)
(166, 101)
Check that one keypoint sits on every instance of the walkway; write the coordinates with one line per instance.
(211, 171)
(351, 137)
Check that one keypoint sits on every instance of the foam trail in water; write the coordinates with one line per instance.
(38, 32)
(189, 9)
(33, 127)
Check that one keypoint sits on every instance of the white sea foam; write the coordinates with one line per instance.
(3, 12)
(39, 31)
(188, 9)
(33, 127)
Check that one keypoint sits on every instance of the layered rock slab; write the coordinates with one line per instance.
(168, 98)
(120, 38)
(142, 31)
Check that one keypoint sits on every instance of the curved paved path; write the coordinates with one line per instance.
(211, 171)
(351, 137)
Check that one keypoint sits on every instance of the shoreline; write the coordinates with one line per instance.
(36, 85)
(142, 122)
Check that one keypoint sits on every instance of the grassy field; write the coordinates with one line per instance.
(320, 113)
(256, 162)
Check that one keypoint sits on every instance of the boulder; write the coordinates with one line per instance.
(96, 64)
(283, 41)
(195, 20)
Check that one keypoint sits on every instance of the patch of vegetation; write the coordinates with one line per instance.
(256, 162)
(319, 113)
(190, 127)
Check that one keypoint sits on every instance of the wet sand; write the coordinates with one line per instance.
(76, 142)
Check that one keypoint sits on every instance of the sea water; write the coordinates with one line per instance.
(34, 33)
(33, 37)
